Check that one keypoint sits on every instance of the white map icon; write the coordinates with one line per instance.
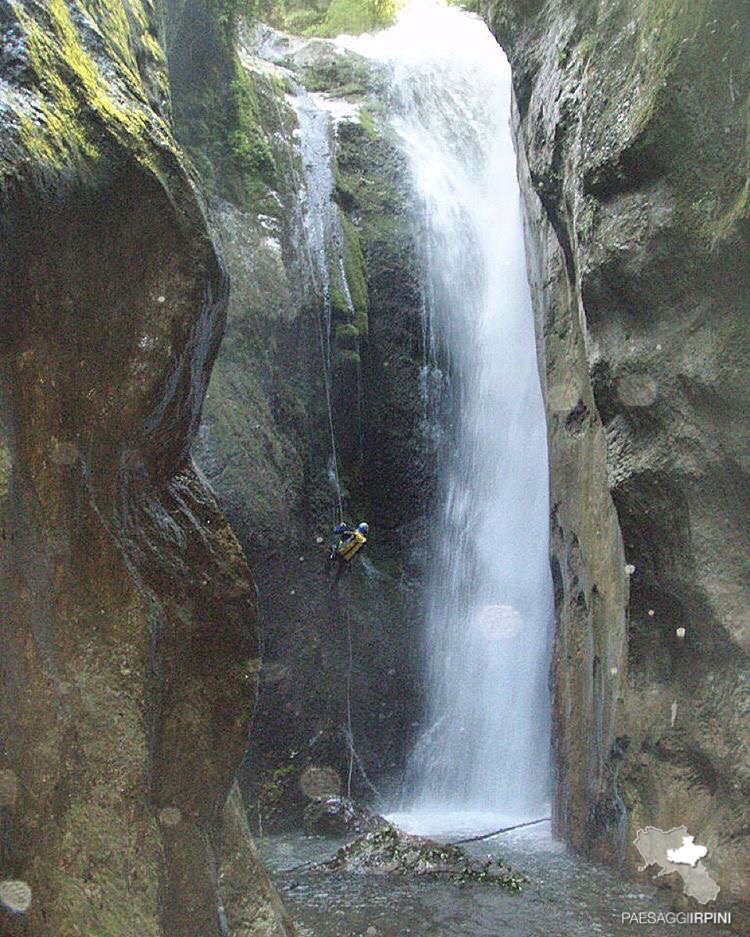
(688, 853)
(675, 851)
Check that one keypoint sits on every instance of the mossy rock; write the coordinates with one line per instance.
(356, 276)
(329, 17)
(337, 816)
(347, 336)
(323, 66)
(390, 851)
(346, 358)
(217, 112)
(339, 306)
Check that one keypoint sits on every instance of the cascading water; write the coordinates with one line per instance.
(485, 753)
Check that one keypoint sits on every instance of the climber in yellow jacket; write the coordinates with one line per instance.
(349, 541)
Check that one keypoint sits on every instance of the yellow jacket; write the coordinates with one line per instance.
(349, 547)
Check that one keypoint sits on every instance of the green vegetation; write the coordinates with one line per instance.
(345, 357)
(367, 121)
(274, 788)
(356, 277)
(393, 851)
(339, 306)
(326, 17)
(347, 336)
(76, 100)
(216, 110)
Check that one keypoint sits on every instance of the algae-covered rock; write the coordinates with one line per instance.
(129, 658)
(631, 125)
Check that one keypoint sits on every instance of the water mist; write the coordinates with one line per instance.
(483, 756)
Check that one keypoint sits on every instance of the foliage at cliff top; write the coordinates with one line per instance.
(326, 17)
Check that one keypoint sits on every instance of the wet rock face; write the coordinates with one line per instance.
(337, 816)
(631, 123)
(129, 658)
(265, 442)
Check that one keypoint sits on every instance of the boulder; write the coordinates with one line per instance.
(337, 816)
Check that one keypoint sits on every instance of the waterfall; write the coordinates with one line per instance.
(484, 753)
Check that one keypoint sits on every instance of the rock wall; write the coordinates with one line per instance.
(337, 656)
(632, 123)
(129, 658)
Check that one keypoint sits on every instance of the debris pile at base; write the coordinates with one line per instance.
(388, 850)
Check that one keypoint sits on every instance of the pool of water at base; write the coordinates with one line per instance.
(566, 896)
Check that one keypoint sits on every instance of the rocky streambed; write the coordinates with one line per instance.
(362, 892)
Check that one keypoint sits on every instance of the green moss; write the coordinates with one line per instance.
(357, 16)
(343, 192)
(274, 787)
(73, 90)
(251, 169)
(586, 46)
(339, 305)
(356, 277)
(217, 111)
(347, 336)
(345, 357)
(327, 17)
(367, 121)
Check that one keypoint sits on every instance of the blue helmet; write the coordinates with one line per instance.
(363, 528)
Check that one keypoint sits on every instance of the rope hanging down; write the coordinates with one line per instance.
(349, 732)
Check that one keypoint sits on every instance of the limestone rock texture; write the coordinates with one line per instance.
(632, 134)
(129, 650)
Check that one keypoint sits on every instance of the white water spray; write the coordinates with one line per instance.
(485, 753)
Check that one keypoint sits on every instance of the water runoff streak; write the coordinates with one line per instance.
(484, 758)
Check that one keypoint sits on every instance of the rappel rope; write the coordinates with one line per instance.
(353, 756)
(325, 355)
(349, 732)
(505, 829)
(324, 350)
(303, 866)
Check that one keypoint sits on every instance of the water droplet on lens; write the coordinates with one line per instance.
(637, 390)
(319, 782)
(16, 896)
(170, 816)
(500, 621)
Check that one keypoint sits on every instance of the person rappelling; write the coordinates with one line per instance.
(348, 542)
